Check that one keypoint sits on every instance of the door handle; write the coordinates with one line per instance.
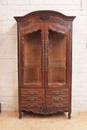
(46, 55)
(43, 55)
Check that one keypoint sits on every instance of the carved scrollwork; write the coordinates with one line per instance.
(57, 29)
(31, 29)
(44, 17)
(57, 20)
(27, 23)
(44, 109)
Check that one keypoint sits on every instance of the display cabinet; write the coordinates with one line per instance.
(44, 62)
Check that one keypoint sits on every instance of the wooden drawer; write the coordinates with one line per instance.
(32, 100)
(57, 91)
(57, 98)
(28, 104)
(27, 91)
(57, 104)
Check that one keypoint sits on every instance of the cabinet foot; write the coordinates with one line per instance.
(69, 115)
(0, 107)
(20, 115)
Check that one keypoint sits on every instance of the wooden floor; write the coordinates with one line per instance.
(10, 121)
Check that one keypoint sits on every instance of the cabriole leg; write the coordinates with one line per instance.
(20, 115)
(69, 115)
(0, 107)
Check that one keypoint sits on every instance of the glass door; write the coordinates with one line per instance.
(55, 56)
(32, 58)
(32, 63)
(56, 59)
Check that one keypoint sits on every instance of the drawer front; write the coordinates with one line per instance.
(27, 91)
(51, 91)
(32, 98)
(57, 98)
(55, 101)
(32, 101)
(36, 104)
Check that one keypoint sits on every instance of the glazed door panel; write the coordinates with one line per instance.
(32, 63)
(56, 59)
(32, 58)
(55, 56)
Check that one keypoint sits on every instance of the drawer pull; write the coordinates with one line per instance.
(32, 98)
(57, 92)
(46, 55)
(43, 54)
(57, 99)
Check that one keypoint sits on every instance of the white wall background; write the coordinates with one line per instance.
(8, 47)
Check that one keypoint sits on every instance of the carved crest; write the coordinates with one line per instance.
(44, 17)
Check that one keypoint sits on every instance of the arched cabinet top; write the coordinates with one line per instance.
(44, 15)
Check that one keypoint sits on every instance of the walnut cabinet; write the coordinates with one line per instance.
(44, 62)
